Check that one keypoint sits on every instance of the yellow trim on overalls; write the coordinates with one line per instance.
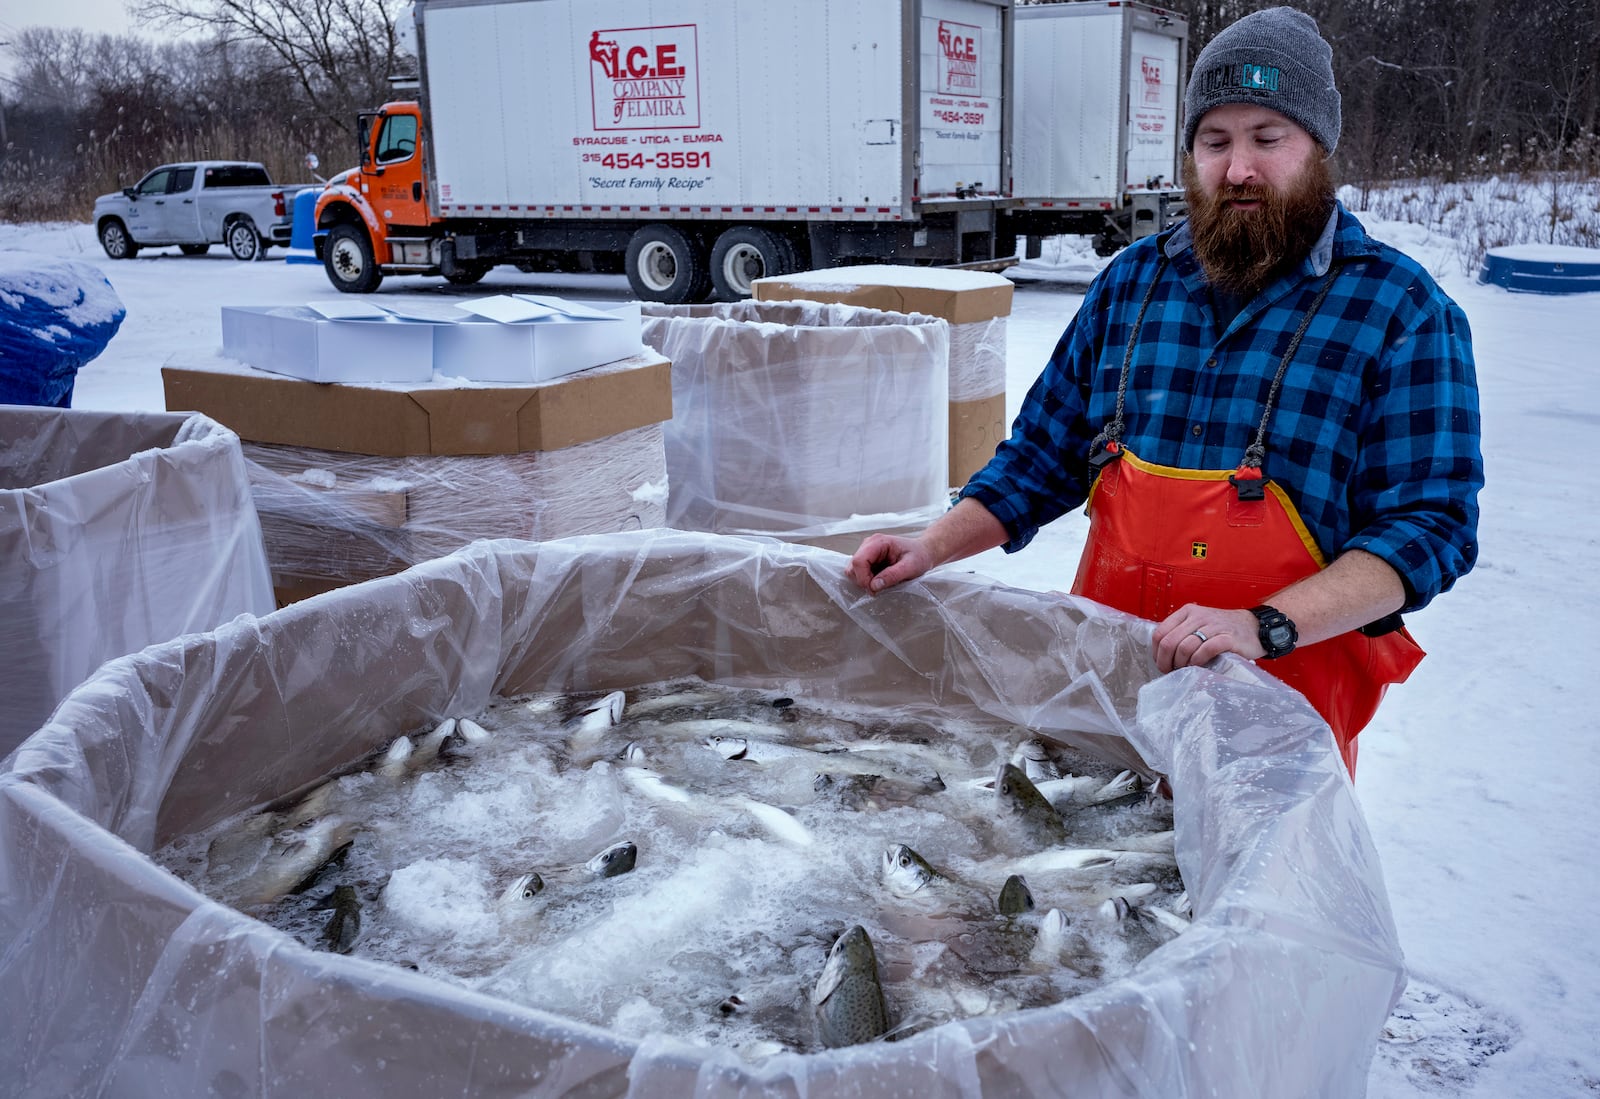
(1220, 475)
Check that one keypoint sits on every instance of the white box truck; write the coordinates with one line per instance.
(1097, 139)
(694, 144)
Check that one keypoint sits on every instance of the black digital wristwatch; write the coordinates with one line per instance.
(1276, 632)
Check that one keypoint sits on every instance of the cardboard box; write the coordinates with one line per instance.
(976, 429)
(521, 338)
(430, 417)
(960, 297)
(326, 342)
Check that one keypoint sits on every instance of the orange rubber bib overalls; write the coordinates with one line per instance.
(1160, 537)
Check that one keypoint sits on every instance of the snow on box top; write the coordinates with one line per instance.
(960, 297)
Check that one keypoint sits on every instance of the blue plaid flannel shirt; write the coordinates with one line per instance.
(1375, 436)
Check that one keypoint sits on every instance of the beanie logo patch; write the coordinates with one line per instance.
(1260, 79)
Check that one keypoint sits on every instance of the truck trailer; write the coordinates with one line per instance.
(694, 144)
(1097, 137)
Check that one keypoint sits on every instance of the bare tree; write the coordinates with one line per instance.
(339, 53)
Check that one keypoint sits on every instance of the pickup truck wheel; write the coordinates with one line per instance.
(744, 254)
(348, 259)
(194, 249)
(666, 265)
(243, 240)
(115, 240)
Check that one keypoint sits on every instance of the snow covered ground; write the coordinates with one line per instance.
(1478, 776)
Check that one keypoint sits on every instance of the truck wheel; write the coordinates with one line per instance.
(115, 240)
(194, 249)
(744, 254)
(667, 266)
(348, 259)
(243, 240)
(467, 274)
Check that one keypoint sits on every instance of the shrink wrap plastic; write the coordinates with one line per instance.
(123, 981)
(802, 420)
(116, 531)
(331, 517)
(978, 359)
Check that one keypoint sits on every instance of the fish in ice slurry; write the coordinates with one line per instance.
(614, 861)
(1021, 800)
(907, 873)
(293, 860)
(848, 1000)
(1015, 898)
(339, 933)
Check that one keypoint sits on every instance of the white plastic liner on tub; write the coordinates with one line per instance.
(123, 981)
(801, 420)
(117, 531)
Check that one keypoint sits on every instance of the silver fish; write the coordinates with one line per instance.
(1022, 801)
(1034, 759)
(848, 1000)
(293, 860)
(907, 873)
(395, 760)
(858, 790)
(614, 861)
(1015, 897)
(339, 933)
(522, 895)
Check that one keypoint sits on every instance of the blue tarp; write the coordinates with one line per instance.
(55, 315)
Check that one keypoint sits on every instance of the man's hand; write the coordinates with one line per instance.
(885, 560)
(1197, 635)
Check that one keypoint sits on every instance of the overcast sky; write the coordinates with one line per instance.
(106, 16)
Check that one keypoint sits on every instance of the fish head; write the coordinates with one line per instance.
(728, 747)
(905, 872)
(523, 891)
(614, 860)
(1017, 791)
(1015, 898)
(850, 957)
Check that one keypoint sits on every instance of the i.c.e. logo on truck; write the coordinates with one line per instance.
(645, 78)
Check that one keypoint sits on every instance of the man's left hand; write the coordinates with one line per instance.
(1197, 635)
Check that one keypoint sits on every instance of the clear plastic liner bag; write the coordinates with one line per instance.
(117, 530)
(122, 980)
(792, 415)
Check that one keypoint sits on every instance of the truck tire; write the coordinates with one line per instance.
(194, 249)
(744, 254)
(348, 260)
(467, 274)
(666, 265)
(243, 240)
(115, 240)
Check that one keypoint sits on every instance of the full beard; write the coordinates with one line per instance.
(1241, 251)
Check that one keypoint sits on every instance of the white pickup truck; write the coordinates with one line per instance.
(195, 205)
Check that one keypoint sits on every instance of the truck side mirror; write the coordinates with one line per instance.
(131, 193)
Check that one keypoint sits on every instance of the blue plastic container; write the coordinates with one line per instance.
(1542, 268)
(301, 246)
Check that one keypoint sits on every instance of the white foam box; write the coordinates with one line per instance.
(330, 341)
(523, 339)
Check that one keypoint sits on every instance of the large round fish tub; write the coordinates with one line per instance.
(122, 980)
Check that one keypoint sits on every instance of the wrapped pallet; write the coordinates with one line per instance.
(976, 305)
(116, 531)
(814, 423)
(358, 481)
(123, 980)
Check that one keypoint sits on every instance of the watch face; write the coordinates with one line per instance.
(1280, 636)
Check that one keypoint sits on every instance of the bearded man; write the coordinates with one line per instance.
(1272, 417)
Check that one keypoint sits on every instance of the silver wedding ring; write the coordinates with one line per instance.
(1201, 636)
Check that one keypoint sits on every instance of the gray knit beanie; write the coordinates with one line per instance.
(1273, 58)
